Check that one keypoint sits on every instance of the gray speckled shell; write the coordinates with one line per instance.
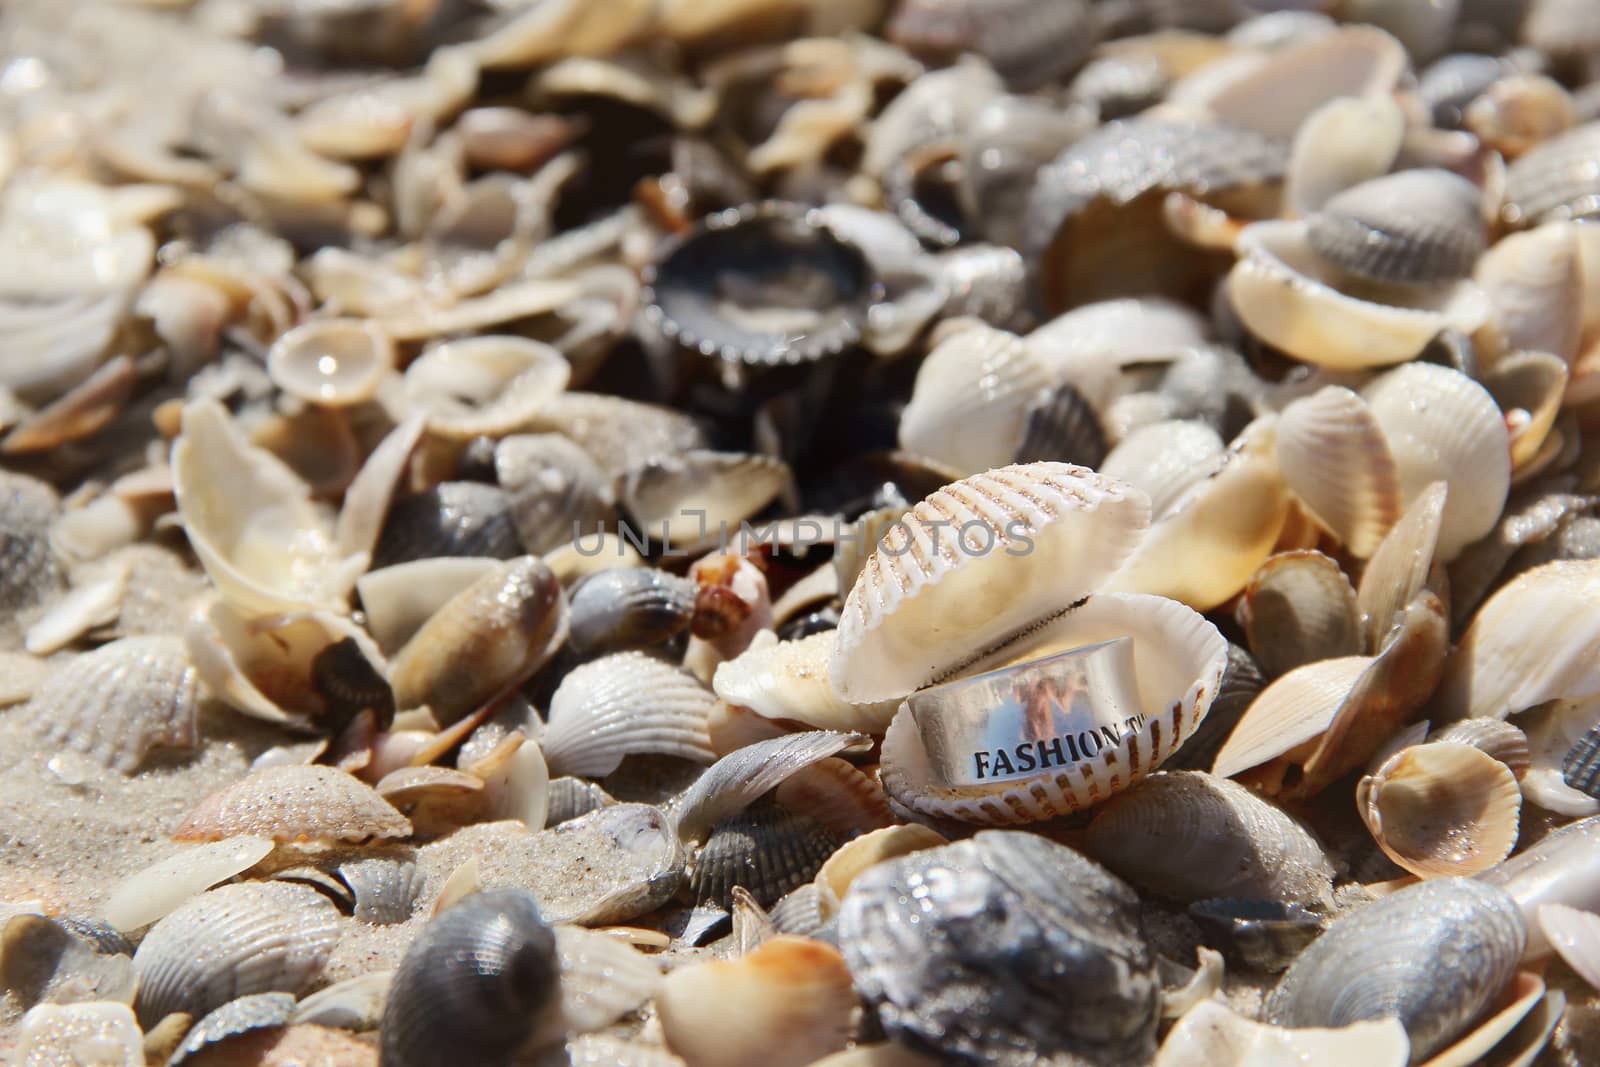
(27, 508)
(258, 1011)
(1417, 227)
(572, 797)
(629, 608)
(1006, 949)
(385, 888)
(472, 985)
(254, 937)
(554, 489)
(1433, 955)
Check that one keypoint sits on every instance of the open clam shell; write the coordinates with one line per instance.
(1441, 809)
(487, 385)
(333, 362)
(1287, 296)
(766, 284)
(1180, 659)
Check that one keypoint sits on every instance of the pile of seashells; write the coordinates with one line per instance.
(597, 532)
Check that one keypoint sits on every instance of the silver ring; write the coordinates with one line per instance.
(1030, 719)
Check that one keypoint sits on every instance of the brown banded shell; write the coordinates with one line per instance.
(295, 803)
(484, 641)
(472, 984)
(981, 976)
(254, 937)
(767, 849)
(120, 701)
(1193, 836)
(1416, 227)
(787, 1003)
(621, 705)
(555, 491)
(1441, 809)
(1433, 956)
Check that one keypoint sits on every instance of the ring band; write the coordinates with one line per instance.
(1029, 719)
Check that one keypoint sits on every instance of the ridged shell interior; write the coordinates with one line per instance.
(1288, 298)
(1442, 809)
(1050, 533)
(1179, 658)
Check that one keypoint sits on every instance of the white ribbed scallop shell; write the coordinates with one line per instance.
(1334, 457)
(622, 705)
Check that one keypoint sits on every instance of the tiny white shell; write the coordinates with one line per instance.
(333, 362)
(621, 705)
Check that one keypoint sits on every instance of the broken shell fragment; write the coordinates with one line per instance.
(154, 892)
(1211, 1034)
(295, 803)
(788, 680)
(699, 496)
(333, 362)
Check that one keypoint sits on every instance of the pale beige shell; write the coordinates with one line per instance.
(375, 120)
(251, 521)
(1288, 297)
(1046, 535)
(1528, 387)
(333, 362)
(254, 937)
(1293, 710)
(295, 803)
(1531, 642)
(262, 665)
(1443, 426)
(1335, 459)
(1441, 809)
(1181, 657)
(150, 894)
(700, 496)
(81, 412)
(603, 978)
(1552, 732)
(1344, 142)
(1534, 283)
(1575, 935)
(397, 600)
(969, 406)
(1206, 547)
(590, 554)
(101, 1033)
(1299, 608)
(120, 701)
(1499, 739)
(786, 1004)
(1399, 567)
(867, 851)
(568, 27)
(1166, 459)
(516, 781)
(622, 705)
(1213, 1034)
(838, 795)
(1192, 836)
(91, 602)
(489, 385)
(789, 680)
(486, 639)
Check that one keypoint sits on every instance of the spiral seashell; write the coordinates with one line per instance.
(1433, 956)
(472, 984)
(1022, 951)
(629, 608)
(120, 701)
(295, 803)
(451, 519)
(332, 362)
(255, 937)
(621, 705)
(765, 285)
(1554, 181)
(788, 680)
(767, 849)
(1441, 809)
(1193, 836)
(1416, 227)
(485, 640)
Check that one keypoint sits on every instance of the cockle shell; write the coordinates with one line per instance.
(787, 1003)
(1554, 181)
(789, 680)
(1299, 608)
(251, 938)
(746, 774)
(970, 405)
(1341, 144)
(449, 519)
(1399, 568)
(333, 362)
(602, 980)
(150, 894)
(1499, 739)
(1166, 459)
(120, 701)
(1415, 227)
(1286, 296)
(1433, 955)
(700, 495)
(979, 975)
(243, 1015)
(854, 858)
(621, 705)
(251, 521)
(490, 385)
(1441, 809)
(474, 983)
(767, 849)
(1335, 459)
(485, 640)
(1192, 836)
(294, 803)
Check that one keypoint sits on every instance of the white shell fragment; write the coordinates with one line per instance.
(789, 680)
(154, 892)
(1212, 1034)
(91, 1034)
